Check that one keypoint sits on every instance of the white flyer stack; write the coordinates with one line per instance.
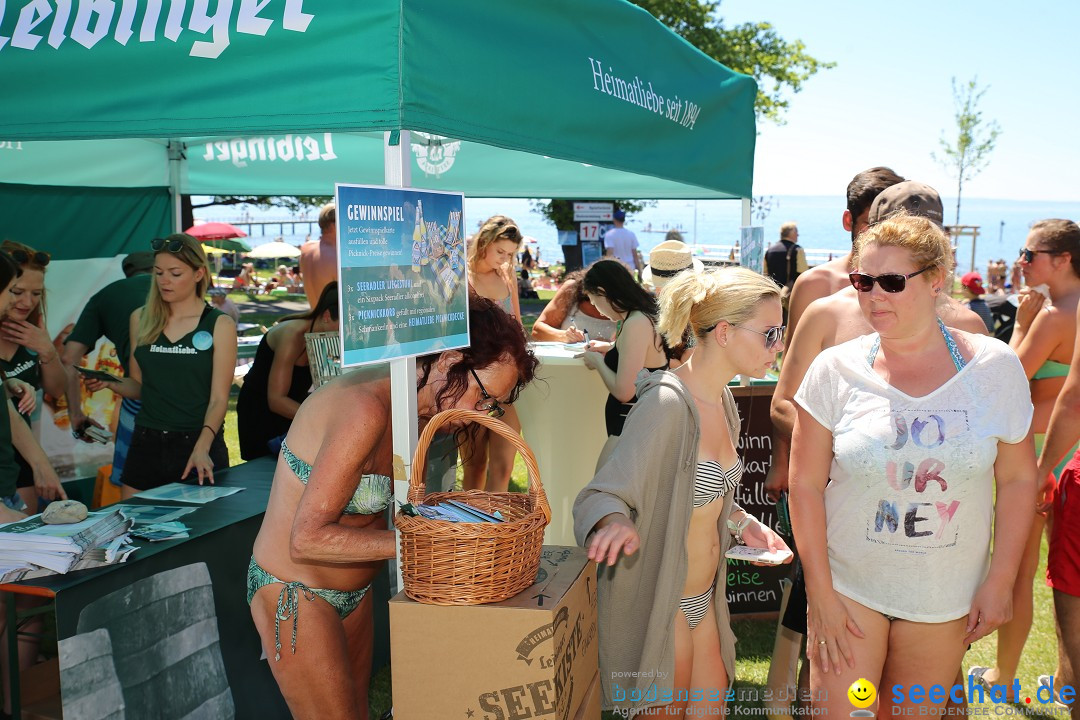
(30, 548)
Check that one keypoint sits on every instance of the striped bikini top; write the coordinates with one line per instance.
(712, 481)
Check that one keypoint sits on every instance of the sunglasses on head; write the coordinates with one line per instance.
(22, 257)
(173, 246)
(890, 282)
(1029, 255)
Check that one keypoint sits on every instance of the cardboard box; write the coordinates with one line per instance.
(590, 704)
(534, 655)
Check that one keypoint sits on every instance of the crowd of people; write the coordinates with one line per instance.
(918, 500)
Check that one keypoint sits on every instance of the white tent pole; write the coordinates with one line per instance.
(403, 411)
(176, 156)
(746, 212)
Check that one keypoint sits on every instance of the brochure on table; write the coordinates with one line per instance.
(401, 261)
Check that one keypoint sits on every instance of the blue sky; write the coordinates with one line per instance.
(889, 97)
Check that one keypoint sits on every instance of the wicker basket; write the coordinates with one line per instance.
(446, 563)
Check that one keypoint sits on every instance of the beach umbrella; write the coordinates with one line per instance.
(215, 231)
(276, 249)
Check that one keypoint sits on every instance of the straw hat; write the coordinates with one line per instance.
(667, 260)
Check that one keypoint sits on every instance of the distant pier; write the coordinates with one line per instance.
(266, 227)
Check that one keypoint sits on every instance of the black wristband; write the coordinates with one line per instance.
(212, 431)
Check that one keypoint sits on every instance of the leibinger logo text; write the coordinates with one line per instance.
(88, 22)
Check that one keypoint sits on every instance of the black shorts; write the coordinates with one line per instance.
(795, 615)
(158, 457)
(26, 474)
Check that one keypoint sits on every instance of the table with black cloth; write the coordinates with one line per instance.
(222, 534)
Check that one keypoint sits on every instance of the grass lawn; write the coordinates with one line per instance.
(755, 637)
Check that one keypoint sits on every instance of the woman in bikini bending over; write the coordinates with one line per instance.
(324, 536)
(668, 489)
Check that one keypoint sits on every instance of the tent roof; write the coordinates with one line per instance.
(599, 82)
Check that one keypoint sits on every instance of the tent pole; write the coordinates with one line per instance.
(746, 218)
(176, 156)
(397, 172)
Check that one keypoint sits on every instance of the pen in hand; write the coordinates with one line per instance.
(587, 340)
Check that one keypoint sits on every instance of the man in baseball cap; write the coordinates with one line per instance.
(973, 291)
(915, 197)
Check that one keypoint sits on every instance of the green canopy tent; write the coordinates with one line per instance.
(541, 99)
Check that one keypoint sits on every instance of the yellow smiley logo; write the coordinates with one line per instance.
(862, 693)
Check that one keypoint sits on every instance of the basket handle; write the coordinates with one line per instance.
(417, 485)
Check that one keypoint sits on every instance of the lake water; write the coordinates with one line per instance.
(1003, 224)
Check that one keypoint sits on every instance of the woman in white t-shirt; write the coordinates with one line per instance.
(913, 424)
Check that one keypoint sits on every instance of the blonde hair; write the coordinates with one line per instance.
(927, 243)
(694, 303)
(494, 229)
(327, 216)
(787, 228)
(10, 246)
(155, 314)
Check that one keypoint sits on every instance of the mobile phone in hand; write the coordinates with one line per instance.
(96, 374)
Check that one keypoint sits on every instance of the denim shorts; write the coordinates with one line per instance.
(13, 502)
(158, 457)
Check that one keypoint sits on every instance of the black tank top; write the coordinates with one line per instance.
(255, 422)
(615, 412)
(176, 377)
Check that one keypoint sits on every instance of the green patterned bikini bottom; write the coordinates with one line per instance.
(288, 605)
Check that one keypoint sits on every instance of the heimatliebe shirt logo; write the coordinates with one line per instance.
(21, 368)
(88, 22)
(174, 350)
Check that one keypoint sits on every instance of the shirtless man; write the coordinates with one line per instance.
(318, 258)
(825, 279)
(835, 319)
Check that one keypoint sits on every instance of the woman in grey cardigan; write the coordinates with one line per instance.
(668, 490)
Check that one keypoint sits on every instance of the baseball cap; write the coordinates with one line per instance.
(973, 282)
(915, 197)
(138, 262)
(619, 214)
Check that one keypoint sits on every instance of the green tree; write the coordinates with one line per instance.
(780, 66)
(975, 138)
(560, 213)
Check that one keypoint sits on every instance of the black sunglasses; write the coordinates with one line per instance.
(1028, 256)
(772, 336)
(173, 246)
(890, 282)
(22, 257)
(488, 404)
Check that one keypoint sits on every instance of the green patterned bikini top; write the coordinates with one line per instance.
(372, 496)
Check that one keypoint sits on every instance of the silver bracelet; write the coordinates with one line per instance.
(737, 529)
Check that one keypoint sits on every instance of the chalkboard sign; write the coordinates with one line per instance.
(753, 589)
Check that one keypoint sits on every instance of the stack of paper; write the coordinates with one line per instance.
(61, 548)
